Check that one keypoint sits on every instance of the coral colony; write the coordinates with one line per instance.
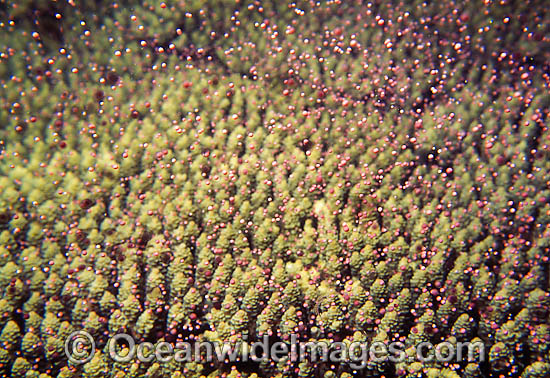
(238, 171)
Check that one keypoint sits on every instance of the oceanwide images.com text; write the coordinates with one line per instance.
(80, 348)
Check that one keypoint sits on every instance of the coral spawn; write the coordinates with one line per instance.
(343, 171)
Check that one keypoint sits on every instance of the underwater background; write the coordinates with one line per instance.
(220, 171)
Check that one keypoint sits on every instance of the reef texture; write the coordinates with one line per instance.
(209, 170)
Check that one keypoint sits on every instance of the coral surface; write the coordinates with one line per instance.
(221, 170)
